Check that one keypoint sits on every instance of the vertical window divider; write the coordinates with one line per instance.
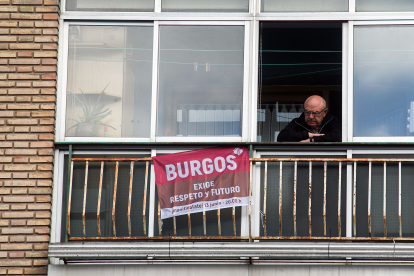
(350, 72)
(345, 66)
(157, 6)
(351, 6)
(246, 82)
(254, 76)
(154, 93)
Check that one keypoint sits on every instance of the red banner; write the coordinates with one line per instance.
(202, 180)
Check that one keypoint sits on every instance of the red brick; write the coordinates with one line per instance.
(45, 68)
(50, 31)
(24, 76)
(46, 39)
(45, 152)
(51, 2)
(22, 113)
(10, 24)
(20, 183)
(15, 91)
(23, 106)
(47, 106)
(21, 152)
(27, 2)
(44, 99)
(4, 38)
(7, 68)
(49, 77)
(26, 31)
(16, 254)
(19, 167)
(21, 159)
(44, 114)
(26, 16)
(8, 9)
(23, 84)
(49, 46)
(49, 61)
(26, 39)
(7, 83)
(44, 84)
(6, 114)
(40, 175)
(46, 137)
(25, 46)
(25, 69)
(20, 175)
(42, 144)
(24, 61)
(7, 99)
(47, 9)
(36, 270)
(21, 99)
(42, 129)
(23, 137)
(20, 144)
(25, 54)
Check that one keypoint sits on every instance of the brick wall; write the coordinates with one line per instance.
(28, 59)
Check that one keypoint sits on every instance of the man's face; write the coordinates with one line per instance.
(315, 105)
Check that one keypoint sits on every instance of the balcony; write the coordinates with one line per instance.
(301, 209)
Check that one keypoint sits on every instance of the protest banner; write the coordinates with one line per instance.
(202, 180)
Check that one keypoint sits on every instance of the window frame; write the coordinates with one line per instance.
(62, 79)
(362, 139)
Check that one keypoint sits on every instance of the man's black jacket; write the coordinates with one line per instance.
(297, 130)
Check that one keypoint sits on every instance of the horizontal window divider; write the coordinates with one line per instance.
(274, 147)
(154, 16)
(264, 16)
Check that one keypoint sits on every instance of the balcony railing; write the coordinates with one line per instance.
(297, 197)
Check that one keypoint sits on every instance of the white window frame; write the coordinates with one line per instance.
(62, 79)
(351, 80)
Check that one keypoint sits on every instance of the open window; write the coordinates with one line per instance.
(297, 60)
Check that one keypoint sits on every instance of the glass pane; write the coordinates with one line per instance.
(109, 81)
(200, 80)
(384, 5)
(109, 5)
(383, 82)
(304, 5)
(206, 6)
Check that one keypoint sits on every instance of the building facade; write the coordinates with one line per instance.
(91, 90)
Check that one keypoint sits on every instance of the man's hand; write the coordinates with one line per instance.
(311, 135)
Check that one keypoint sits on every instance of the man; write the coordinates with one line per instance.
(315, 124)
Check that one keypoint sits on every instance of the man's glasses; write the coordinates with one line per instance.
(315, 114)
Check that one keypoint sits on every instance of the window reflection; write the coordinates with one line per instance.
(383, 80)
(206, 6)
(109, 5)
(200, 80)
(109, 81)
(384, 5)
(304, 5)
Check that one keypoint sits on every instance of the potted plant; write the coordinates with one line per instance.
(93, 114)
